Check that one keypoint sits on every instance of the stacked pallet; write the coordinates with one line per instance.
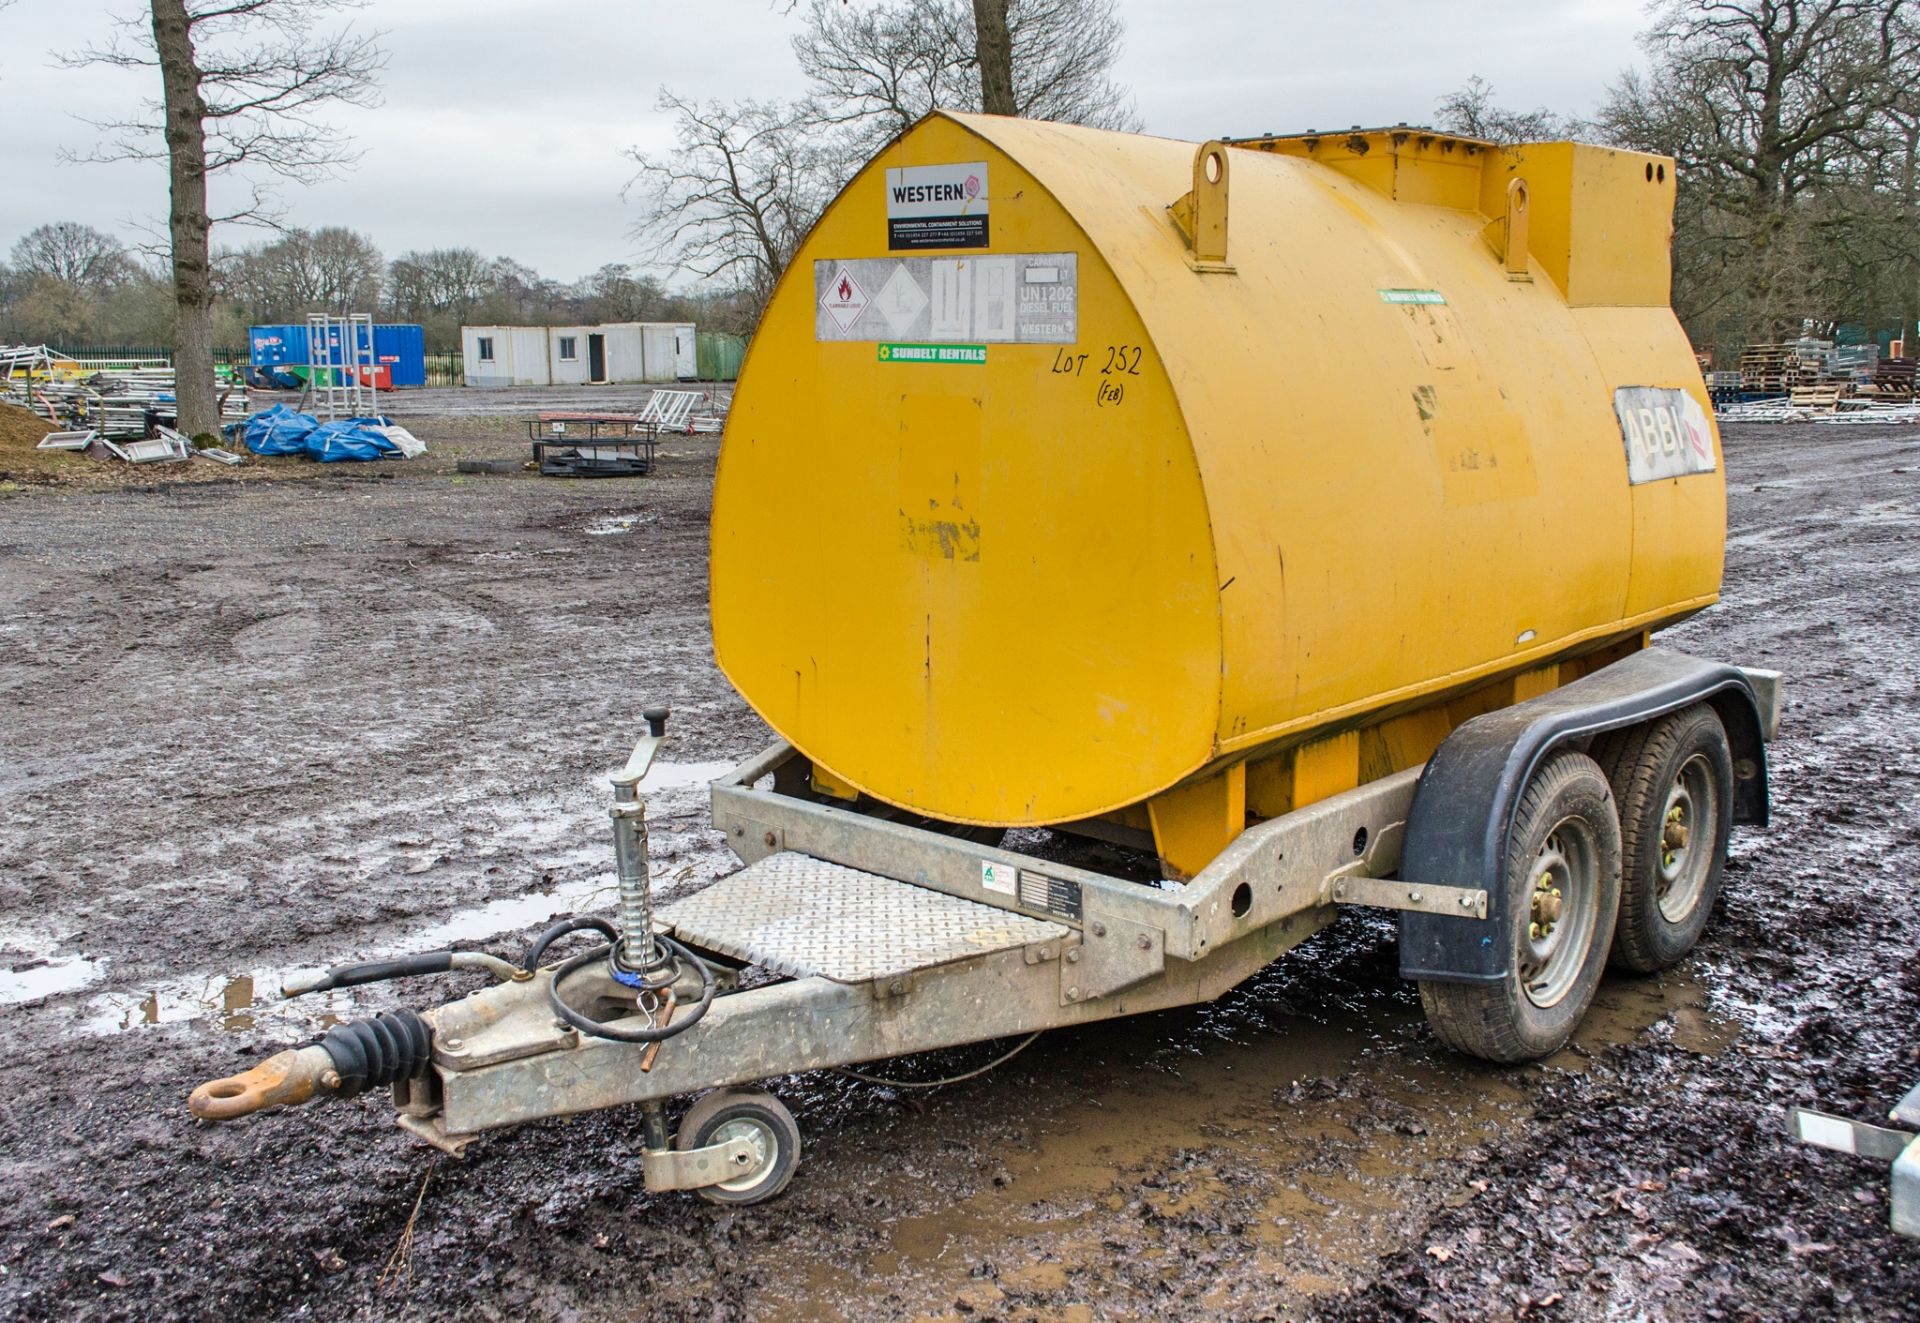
(1893, 378)
(1774, 369)
(1826, 396)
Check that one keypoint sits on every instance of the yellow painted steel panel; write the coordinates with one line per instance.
(967, 586)
(1360, 470)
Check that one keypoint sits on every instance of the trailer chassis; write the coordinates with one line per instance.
(929, 940)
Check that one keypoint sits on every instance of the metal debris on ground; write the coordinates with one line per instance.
(66, 440)
(1845, 411)
(120, 398)
(681, 411)
(168, 449)
(615, 445)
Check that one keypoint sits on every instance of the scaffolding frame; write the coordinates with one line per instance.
(341, 365)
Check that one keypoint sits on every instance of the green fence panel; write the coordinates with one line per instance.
(718, 355)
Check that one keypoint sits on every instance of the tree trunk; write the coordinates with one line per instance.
(1909, 270)
(993, 48)
(188, 222)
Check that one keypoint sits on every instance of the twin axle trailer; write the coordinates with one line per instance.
(1506, 855)
(1013, 530)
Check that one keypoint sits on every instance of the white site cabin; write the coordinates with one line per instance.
(498, 356)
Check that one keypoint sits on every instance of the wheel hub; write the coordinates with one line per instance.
(756, 1135)
(1559, 922)
(1682, 875)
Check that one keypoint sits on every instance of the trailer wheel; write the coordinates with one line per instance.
(1563, 893)
(1674, 782)
(759, 1118)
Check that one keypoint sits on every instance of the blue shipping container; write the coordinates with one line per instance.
(402, 349)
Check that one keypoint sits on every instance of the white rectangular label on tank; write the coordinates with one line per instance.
(1665, 431)
(937, 206)
(1012, 298)
(999, 877)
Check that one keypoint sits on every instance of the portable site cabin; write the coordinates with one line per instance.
(579, 355)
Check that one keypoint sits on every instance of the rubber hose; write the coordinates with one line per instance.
(379, 971)
(578, 923)
(392, 1046)
(679, 1023)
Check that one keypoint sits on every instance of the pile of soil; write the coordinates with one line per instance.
(21, 431)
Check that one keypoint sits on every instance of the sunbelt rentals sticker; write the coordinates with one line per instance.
(937, 206)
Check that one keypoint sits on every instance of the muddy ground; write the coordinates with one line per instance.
(251, 726)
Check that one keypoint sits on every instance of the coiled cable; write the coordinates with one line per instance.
(643, 1033)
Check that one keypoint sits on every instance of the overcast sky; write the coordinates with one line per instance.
(504, 121)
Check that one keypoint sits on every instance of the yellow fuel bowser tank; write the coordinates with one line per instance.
(1078, 477)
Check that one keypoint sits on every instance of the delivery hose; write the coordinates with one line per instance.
(360, 972)
(640, 1034)
(574, 924)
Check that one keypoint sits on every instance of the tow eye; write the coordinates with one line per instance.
(393, 1046)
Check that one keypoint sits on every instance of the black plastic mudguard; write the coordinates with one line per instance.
(1464, 805)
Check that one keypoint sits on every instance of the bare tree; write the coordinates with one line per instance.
(243, 83)
(615, 294)
(326, 270)
(737, 194)
(1779, 113)
(747, 180)
(439, 280)
(1759, 99)
(1471, 111)
(73, 254)
(875, 69)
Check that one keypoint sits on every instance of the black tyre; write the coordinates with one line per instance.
(759, 1118)
(1673, 779)
(1563, 895)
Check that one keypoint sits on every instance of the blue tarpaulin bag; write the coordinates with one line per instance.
(281, 430)
(349, 438)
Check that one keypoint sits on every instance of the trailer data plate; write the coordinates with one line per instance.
(800, 916)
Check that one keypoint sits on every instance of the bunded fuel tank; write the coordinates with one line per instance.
(1070, 467)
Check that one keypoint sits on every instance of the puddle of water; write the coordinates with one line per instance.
(613, 525)
(1319, 1179)
(1311, 1184)
(49, 977)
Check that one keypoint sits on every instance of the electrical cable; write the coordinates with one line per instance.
(653, 1034)
(1000, 1060)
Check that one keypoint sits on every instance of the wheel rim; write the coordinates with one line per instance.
(764, 1142)
(1562, 885)
(1686, 840)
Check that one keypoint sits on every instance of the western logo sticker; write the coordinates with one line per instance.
(937, 206)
